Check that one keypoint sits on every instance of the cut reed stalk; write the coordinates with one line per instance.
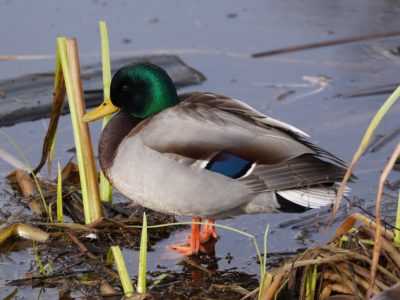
(84, 150)
(274, 287)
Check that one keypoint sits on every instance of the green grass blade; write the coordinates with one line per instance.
(29, 167)
(362, 147)
(264, 263)
(311, 282)
(159, 279)
(110, 257)
(105, 186)
(397, 225)
(344, 239)
(59, 200)
(281, 287)
(122, 271)
(265, 247)
(39, 261)
(105, 59)
(50, 267)
(143, 258)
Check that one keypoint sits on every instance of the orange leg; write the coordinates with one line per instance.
(194, 241)
(208, 231)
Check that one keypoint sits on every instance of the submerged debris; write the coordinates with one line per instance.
(198, 282)
(326, 44)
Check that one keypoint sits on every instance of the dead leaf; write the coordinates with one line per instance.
(22, 230)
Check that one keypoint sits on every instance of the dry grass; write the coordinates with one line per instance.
(342, 267)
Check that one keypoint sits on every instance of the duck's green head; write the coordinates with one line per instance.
(141, 89)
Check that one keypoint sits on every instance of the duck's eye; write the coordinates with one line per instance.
(125, 88)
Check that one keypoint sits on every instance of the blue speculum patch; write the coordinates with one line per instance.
(229, 165)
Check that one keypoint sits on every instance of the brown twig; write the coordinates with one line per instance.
(251, 294)
(233, 287)
(81, 246)
(326, 43)
(364, 273)
(34, 280)
(383, 89)
(351, 220)
(387, 246)
(85, 251)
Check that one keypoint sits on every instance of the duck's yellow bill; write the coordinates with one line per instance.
(104, 109)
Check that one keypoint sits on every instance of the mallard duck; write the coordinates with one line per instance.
(205, 155)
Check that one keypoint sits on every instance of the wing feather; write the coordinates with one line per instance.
(206, 124)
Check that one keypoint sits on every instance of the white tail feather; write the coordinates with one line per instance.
(312, 197)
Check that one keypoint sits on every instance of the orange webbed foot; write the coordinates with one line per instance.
(199, 243)
(184, 250)
(194, 241)
(208, 231)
